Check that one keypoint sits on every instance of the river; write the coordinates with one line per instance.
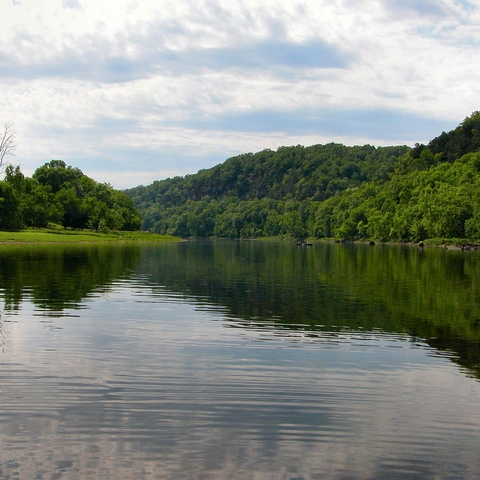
(239, 360)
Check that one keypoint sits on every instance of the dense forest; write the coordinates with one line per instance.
(362, 192)
(57, 193)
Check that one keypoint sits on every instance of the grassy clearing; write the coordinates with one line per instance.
(59, 235)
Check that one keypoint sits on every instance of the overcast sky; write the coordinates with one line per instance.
(135, 91)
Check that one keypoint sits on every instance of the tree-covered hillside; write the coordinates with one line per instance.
(246, 195)
(388, 193)
(456, 143)
(62, 194)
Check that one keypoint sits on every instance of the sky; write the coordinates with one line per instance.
(133, 91)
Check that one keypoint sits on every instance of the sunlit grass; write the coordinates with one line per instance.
(60, 235)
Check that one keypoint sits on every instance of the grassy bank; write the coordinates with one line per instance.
(60, 235)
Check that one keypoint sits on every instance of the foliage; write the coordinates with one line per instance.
(456, 143)
(62, 194)
(440, 202)
(362, 192)
(10, 215)
(306, 173)
(261, 194)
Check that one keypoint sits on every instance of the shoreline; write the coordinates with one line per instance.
(457, 245)
(60, 236)
(54, 236)
(447, 244)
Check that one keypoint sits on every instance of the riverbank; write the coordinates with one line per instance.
(447, 243)
(60, 235)
(56, 234)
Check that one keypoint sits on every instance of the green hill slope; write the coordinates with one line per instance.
(192, 205)
(386, 193)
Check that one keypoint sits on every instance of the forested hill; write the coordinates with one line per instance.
(386, 193)
(313, 173)
(293, 173)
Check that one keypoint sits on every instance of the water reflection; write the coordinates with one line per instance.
(239, 360)
(61, 277)
(134, 390)
(429, 294)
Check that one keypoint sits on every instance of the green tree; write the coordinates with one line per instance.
(74, 214)
(38, 206)
(10, 211)
(57, 175)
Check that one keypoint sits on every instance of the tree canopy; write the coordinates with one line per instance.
(266, 193)
(63, 194)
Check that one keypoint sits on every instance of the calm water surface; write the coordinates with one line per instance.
(239, 360)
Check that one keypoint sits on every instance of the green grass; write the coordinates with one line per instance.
(60, 235)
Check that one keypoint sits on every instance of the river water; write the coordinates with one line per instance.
(239, 360)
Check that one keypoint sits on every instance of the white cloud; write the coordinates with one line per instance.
(94, 82)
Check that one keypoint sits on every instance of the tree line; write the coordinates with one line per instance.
(57, 193)
(386, 193)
